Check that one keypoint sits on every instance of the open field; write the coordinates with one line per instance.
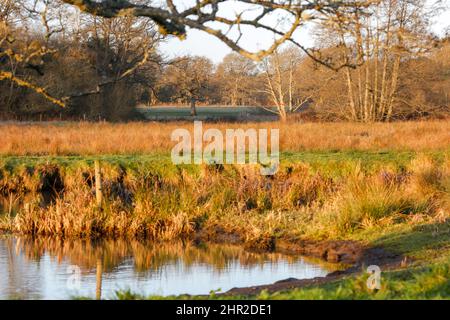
(208, 113)
(143, 138)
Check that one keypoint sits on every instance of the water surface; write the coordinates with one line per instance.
(48, 268)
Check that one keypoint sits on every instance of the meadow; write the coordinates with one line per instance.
(208, 113)
(379, 185)
(85, 138)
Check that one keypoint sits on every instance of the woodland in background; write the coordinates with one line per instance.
(56, 62)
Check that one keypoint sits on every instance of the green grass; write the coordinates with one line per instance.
(332, 163)
(423, 242)
(208, 113)
(422, 282)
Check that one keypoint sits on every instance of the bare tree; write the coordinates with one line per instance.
(280, 18)
(37, 35)
(20, 52)
(281, 81)
(424, 85)
(188, 79)
(236, 76)
(377, 41)
(122, 52)
(118, 48)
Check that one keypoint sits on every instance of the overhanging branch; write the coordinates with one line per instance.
(5, 75)
(200, 16)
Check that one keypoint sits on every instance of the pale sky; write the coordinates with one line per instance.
(201, 44)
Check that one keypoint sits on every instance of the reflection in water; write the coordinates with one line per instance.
(41, 268)
(99, 277)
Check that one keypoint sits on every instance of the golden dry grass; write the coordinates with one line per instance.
(296, 202)
(139, 137)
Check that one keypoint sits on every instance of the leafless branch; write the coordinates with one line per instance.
(173, 21)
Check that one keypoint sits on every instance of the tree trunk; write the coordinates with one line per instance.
(350, 95)
(193, 108)
(99, 276)
(283, 115)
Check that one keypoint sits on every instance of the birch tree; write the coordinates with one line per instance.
(281, 81)
(376, 40)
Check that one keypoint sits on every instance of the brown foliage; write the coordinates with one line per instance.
(141, 138)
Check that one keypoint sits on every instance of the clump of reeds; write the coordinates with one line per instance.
(384, 199)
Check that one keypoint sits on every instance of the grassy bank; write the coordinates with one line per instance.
(417, 282)
(147, 196)
(425, 273)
